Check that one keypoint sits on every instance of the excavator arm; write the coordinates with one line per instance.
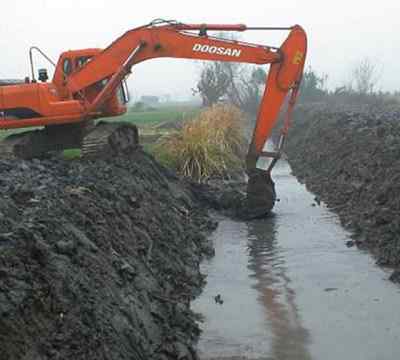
(175, 40)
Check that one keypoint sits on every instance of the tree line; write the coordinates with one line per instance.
(242, 85)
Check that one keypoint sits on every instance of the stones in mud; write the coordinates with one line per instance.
(232, 199)
(218, 299)
(395, 277)
(22, 196)
(66, 247)
(80, 237)
(350, 243)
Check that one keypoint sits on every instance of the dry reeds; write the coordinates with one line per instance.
(211, 145)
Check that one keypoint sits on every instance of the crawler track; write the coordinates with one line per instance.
(104, 139)
(110, 139)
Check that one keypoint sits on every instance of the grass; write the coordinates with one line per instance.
(210, 145)
(159, 122)
(5, 133)
(162, 115)
(71, 154)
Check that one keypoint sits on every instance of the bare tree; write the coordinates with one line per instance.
(313, 85)
(239, 83)
(216, 77)
(245, 90)
(214, 82)
(365, 77)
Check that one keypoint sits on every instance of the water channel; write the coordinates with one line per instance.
(291, 289)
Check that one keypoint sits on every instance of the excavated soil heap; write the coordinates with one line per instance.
(350, 157)
(98, 260)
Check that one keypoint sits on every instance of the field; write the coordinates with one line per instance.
(157, 122)
(5, 133)
(152, 123)
(162, 115)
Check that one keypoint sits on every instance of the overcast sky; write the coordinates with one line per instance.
(340, 33)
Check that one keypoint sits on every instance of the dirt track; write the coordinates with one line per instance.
(350, 157)
(98, 260)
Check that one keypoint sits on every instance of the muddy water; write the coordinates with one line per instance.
(291, 289)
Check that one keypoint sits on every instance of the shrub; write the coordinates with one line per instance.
(210, 145)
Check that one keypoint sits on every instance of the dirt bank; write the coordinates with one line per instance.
(98, 260)
(350, 157)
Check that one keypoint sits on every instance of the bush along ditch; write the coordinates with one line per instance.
(350, 157)
(98, 260)
(212, 145)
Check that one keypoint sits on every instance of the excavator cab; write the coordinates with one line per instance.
(72, 63)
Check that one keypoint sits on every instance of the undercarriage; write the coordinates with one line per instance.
(94, 140)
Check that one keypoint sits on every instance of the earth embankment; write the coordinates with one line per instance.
(98, 260)
(349, 156)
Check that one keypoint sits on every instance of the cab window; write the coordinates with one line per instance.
(67, 67)
(80, 61)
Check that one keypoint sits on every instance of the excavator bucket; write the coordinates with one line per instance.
(261, 194)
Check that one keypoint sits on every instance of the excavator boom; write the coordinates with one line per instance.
(172, 40)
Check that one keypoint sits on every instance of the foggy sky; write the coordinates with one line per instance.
(340, 33)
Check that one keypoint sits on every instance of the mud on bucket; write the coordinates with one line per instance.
(261, 194)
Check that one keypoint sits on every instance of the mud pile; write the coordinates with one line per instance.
(237, 200)
(350, 157)
(98, 260)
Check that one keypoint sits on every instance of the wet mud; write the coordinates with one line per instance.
(349, 156)
(242, 199)
(98, 260)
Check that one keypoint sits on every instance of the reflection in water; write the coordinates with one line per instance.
(273, 276)
(290, 339)
(237, 327)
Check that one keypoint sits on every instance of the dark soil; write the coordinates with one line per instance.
(237, 198)
(350, 158)
(98, 260)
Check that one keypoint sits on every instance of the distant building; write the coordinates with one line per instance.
(150, 100)
(166, 98)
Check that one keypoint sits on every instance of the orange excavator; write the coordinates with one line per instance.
(90, 84)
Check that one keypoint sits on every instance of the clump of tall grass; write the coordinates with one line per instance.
(210, 145)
